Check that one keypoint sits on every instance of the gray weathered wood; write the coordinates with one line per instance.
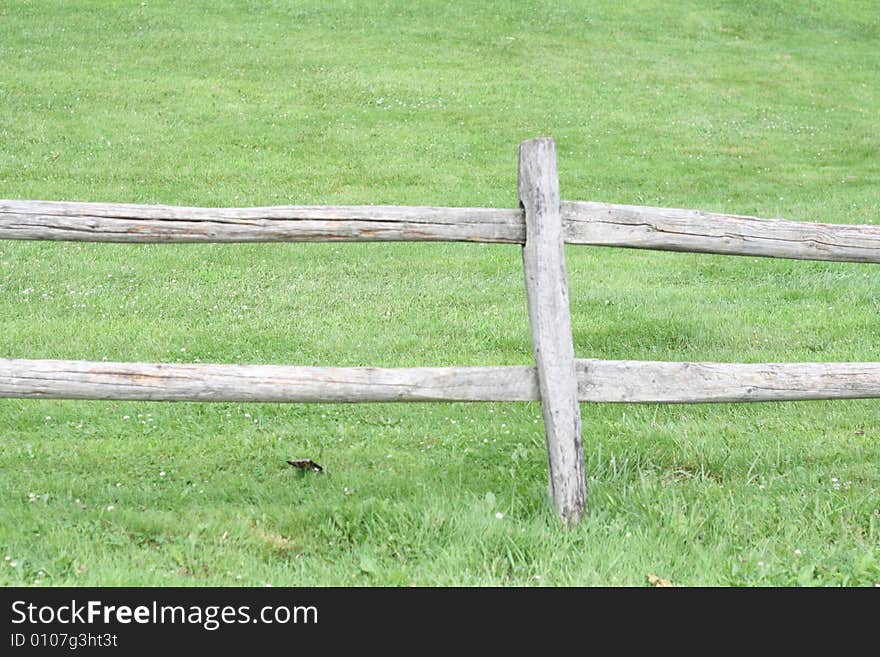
(598, 381)
(666, 229)
(550, 321)
(67, 379)
(598, 224)
(115, 222)
(663, 382)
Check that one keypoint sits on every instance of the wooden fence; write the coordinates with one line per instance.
(542, 225)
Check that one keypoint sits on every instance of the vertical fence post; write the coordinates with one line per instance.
(550, 321)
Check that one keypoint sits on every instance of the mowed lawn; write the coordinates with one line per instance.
(764, 108)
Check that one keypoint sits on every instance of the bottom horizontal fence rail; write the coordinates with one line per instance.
(598, 381)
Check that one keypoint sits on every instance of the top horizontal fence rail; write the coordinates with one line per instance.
(667, 229)
(116, 222)
(587, 223)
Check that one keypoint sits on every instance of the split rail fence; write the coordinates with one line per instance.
(543, 224)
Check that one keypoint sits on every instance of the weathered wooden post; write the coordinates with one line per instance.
(550, 320)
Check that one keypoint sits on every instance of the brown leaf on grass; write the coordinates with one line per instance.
(305, 464)
(278, 542)
(183, 571)
(275, 541)
(81, 569)
(656, 581)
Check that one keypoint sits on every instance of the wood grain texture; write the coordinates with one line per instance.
(663, 382)
(597, 224)
(67, 379)
(115, 222)
(665, 229)
(614, 381)
(550, 321)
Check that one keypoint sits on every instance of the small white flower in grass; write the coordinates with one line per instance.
(161, 473)
(125, 417)
(110, 507)
(48, 417)
(13, 564)
(797, 552)
(499, 515)
(7, 558)
(760, 564)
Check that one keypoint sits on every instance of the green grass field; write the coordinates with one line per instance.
(765, 108)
